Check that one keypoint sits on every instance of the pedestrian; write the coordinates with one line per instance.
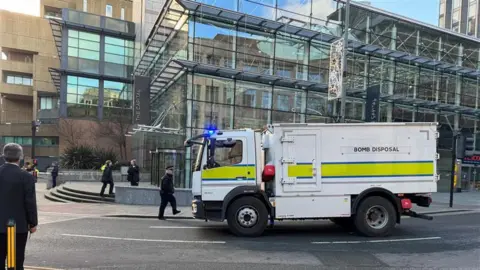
(107, 178)
(133, 173)
(18, 203)
(166, 193)
(54, 174)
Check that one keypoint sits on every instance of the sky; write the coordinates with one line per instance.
(30, 7)
(422, 10)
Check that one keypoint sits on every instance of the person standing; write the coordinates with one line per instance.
(133, 173)
(166, 193)
(54, 174)
(18, 202)
(107, 178)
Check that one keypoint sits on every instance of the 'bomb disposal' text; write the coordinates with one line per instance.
(385, 149)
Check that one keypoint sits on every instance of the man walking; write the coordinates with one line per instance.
(107, 178)
(166, 193)
(18, 203)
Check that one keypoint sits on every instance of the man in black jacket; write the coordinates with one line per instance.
(133, 173)
(18, 203)
(166, 193)
(107, 178)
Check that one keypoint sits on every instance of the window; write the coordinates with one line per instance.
(39, 141)
(85, 5)
(456, 3)
(46, 103)
(17, 56)
(82, 90)
(20, 79)
(122, 13)
(118, 54)
(456, 17)
(83, 51)
(227, 156)
(108, 11)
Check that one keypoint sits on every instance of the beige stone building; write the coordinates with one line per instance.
(27, 92)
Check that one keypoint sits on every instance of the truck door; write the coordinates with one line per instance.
(231, 169)
(300, 162)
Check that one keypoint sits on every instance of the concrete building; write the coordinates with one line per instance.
(236, 64)
(32, 67)
(460, 16)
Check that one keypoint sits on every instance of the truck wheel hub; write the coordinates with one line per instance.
(247, 217)
(377, 217)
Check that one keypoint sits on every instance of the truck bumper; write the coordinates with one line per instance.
(198, 209)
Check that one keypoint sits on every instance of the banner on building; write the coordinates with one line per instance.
(372, 104)
(335, 75)
(141, 100)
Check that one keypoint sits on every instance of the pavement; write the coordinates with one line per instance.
(467, 201)
(131, 243)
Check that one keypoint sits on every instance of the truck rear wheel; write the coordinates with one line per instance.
(375, 217)
(247, 216)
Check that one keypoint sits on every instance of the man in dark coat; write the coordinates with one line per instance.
(133, 173)
(107, 178)
(18, 203)
(166, 193)
(54, 174)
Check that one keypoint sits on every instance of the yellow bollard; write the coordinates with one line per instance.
(11, 245)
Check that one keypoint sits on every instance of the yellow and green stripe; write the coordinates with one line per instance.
(369, 169)
(230, 173)
(378, 169)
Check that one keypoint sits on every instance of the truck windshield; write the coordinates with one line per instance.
(198, 150)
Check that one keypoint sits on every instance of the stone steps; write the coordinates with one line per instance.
(78, 191)
(67, 195)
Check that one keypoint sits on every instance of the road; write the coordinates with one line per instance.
(449, 241)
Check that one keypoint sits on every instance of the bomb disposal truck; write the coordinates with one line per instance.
(363, 176)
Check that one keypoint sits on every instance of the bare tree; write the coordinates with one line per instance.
(114, 127)
(71, 131)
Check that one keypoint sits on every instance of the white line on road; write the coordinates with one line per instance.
(144, 240)
(378, 241)
(185, 227)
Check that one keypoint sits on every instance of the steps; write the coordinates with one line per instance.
(65, 194)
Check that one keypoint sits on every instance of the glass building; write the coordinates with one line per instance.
(95, 76)
(248, 63)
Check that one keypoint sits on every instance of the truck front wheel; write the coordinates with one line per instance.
(375, 217)
(247, 216)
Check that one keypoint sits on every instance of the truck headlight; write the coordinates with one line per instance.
(194, 208)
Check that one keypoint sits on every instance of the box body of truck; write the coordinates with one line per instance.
(311, 171)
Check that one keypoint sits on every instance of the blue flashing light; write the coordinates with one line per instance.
(210, 130)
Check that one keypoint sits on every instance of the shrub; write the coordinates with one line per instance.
(104, 155)
(84, 157)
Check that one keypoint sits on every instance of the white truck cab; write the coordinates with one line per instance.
(357, 175)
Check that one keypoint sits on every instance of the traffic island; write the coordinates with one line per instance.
(149, 195)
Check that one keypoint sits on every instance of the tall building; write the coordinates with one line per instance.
(460, 16)
(244, 64)
(60, 64)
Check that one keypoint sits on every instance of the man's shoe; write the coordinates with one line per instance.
(161, 218)
(176, 212)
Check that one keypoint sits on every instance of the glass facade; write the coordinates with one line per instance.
(83, 51)
(96, 66)
(215, 96)
(82, 97)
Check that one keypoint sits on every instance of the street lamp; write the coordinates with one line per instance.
(343, 99)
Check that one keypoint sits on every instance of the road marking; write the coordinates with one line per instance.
(144, 240)
(185, 227)
(378, 241)
(40, 268)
